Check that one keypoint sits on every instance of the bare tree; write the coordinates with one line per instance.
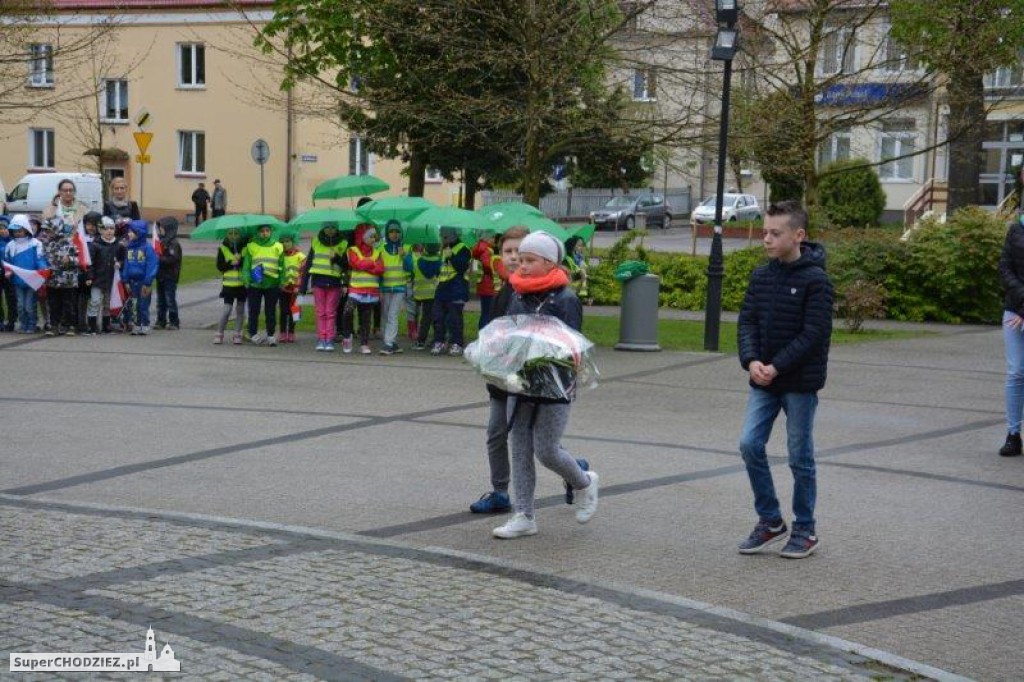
(39, 48)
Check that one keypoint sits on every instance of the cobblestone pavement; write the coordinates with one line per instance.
(276, 513)
(239, 602)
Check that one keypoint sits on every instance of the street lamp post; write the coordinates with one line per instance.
(725, 48)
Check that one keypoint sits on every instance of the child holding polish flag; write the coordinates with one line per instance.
(26, 266)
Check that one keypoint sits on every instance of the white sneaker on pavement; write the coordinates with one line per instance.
(586, 499)
(517, 526)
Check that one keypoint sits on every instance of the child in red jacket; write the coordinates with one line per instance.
(364, 286)
(487, 287)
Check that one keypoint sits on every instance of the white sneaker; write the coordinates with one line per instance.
(517, 526)
(271, 340)
(586, 499)
(257, 339)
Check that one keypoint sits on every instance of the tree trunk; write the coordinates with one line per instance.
(472, 187)
(417, 174)
(532, 171)
(966, 130)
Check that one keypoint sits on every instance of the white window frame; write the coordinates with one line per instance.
(903, 142)
(830, 148)
(40, 65)
(896, 56)
(645, 84)
(1006, 76)
(46, 152)
(121, 107)
(433, 175)
(357, 156)
(838, 51)
(195, 49)
(194, 142)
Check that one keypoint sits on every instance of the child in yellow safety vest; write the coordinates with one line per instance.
(325, 270)
(262, 269)
(392, 285)
(367, 266)
(232, 291)
(423, 269)
(293, 260)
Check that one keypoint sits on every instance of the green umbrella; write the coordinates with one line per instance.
(216, 229)
(539, 223)
(425, 228)
(584, 231)
(347, 186)
(312, 221)
(380, 211)
(507, 213)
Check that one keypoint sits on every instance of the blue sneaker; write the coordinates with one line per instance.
(764, 534)
(801, 544)
(570, 494)
(494, 502)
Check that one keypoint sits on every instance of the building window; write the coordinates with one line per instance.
(433, 175)
(191, 152)
(835, 148)
(115, 101)
(644, 84)
(837, 51)
(1006, 76)
(191, 65)
(40, 148)
(358, 157)
(40, 73)
(897, 57)
(898, 140)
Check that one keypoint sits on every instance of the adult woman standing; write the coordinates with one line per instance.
(120, 208)
(66, 209)
(1011, 271)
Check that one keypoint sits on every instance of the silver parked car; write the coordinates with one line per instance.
(735, 207)
(620, 213)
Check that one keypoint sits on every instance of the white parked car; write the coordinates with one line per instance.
(735, 207)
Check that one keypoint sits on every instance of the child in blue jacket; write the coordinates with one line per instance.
(25, 251)
(138, 273)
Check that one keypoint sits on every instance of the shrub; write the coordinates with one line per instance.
(956, 264)
(850, 194)
(858, 301)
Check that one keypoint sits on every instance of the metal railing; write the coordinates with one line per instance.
(924, 199)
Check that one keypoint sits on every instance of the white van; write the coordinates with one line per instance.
(35, 191)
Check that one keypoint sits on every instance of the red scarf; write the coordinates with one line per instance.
(555, 279)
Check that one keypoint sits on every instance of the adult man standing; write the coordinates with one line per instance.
(219, 202)
(201, 200)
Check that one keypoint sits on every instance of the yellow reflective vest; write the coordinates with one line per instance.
(323, 258)
(292, 269)
(393, 278)
(267, 256)
(232, 277)
(360, 279)
(423, 288)
(447, 271)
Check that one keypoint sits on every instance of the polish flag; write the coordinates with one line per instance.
(81, 243)
(296, 309)
(118, 294)
(158, 248)
(33, 278)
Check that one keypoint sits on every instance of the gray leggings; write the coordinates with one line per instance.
(497, 444)
(239, 307)
(537, 430)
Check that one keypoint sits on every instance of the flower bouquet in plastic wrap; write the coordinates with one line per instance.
(534, 355)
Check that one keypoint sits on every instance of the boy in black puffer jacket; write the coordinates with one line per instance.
(167, 275)
(107, 253)
(784, 329)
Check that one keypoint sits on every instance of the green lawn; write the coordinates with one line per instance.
(603, 330)
(197, 269)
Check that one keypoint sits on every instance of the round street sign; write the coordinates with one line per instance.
(260, 151)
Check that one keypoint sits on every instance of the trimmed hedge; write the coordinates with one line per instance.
(945, 272)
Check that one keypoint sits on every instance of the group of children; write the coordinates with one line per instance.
(360, 287)
(68, 277)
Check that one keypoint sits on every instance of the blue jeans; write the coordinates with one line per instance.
(1014, 340)
(762, 409)
(141, 304)
(167, 302)
(448, 321)
(28, 305)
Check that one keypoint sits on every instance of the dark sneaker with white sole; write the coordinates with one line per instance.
(764, 534)
(570, 494)
(800, 545)
(493, 502)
